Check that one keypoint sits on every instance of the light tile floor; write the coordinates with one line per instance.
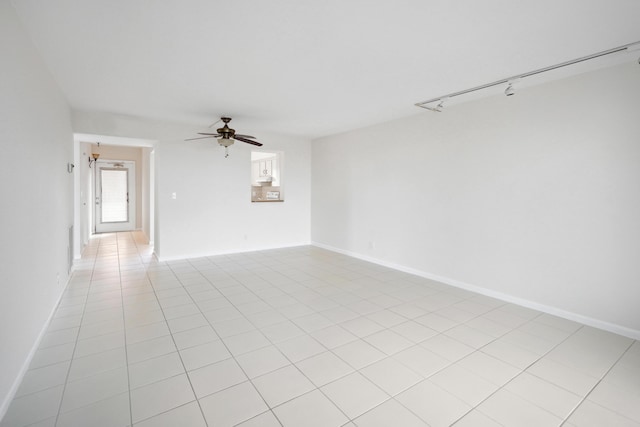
(306, 337)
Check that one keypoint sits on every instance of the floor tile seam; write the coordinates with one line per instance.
(499, 386)
(247, 319)
(586, 396)
(65, 296)
(261, 414)
(59, 344)
(331, 350)
(495, 310)
(98, 335)
(597, 380)
(495, 339)
(449, 364)
(249, 379)
(30, 394)
(309, 392)
(145, 338)
(387, 398)
(472, 407)
(242, 315)
(428, 378)
(503, 387)
(165, 412)
(265, 373)
(536, 360)
(486, 415)
(96, 402)
(184, 367)
(631, 420)
(150, 383)
(354, 370)
(126, 351)
(394, 398)
(75, 346)
(95, 373)
(107, 312)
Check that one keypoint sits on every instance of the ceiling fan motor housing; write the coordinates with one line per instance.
(226, 131)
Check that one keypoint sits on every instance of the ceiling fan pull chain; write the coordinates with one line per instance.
(226, 152)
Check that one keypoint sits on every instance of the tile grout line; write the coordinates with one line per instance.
(521, 372)
(225, 344)
(272, 344)
(75, 345)
(360, 315)
(596, 385)
(278, 349)
(155, 293)
(355, 370)
(244, 315)
(124, 328)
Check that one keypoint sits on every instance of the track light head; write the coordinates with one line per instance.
(509, 91)
(436, 108)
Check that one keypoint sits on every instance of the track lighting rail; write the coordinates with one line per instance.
(509, 80)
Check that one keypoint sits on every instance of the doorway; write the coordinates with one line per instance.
(115, 196)
(140, 180)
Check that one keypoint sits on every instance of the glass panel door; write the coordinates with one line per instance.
(115, 195)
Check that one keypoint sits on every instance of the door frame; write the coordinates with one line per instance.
(110, 227)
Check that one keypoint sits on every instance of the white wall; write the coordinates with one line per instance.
(534, 198)
(36, 210)
(212, 212)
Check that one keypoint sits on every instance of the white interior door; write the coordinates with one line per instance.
(115, 196)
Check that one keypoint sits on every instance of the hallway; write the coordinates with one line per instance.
(304, 336)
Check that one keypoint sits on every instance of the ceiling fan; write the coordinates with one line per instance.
(226, 136)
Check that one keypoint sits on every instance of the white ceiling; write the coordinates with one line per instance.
(306, 68)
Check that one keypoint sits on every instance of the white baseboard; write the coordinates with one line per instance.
(556, 311)
(4, 407)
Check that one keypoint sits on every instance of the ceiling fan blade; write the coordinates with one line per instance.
(210, 134)
(245, 136)
(215, 123)
(248, 141)
(202, 137)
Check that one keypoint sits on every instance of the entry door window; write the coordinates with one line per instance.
(115, 195)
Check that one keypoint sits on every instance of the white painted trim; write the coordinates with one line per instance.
(114, 140)
(247, 250)
(4, 407)
(589, 321)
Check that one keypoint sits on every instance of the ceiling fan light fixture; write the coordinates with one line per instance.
(225, 142)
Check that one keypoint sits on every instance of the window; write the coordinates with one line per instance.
(266, 177)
